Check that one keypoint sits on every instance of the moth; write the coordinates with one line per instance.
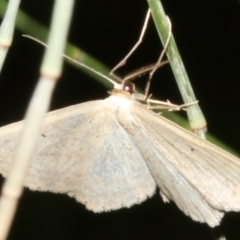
(113, 153)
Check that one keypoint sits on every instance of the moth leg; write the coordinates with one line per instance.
(160, 57)
(156, 104)
(124, 60)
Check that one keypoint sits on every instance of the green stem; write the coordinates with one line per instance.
(195, 115)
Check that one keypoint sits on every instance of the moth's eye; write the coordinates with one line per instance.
(129, 87)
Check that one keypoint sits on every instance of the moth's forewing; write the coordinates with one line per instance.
(202, 179)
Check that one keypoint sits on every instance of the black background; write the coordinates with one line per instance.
(207, 35)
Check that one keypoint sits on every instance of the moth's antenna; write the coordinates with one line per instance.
(116, 85)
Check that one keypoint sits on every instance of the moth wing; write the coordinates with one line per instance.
(54, 121)
(85, 153)
(199, 177)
